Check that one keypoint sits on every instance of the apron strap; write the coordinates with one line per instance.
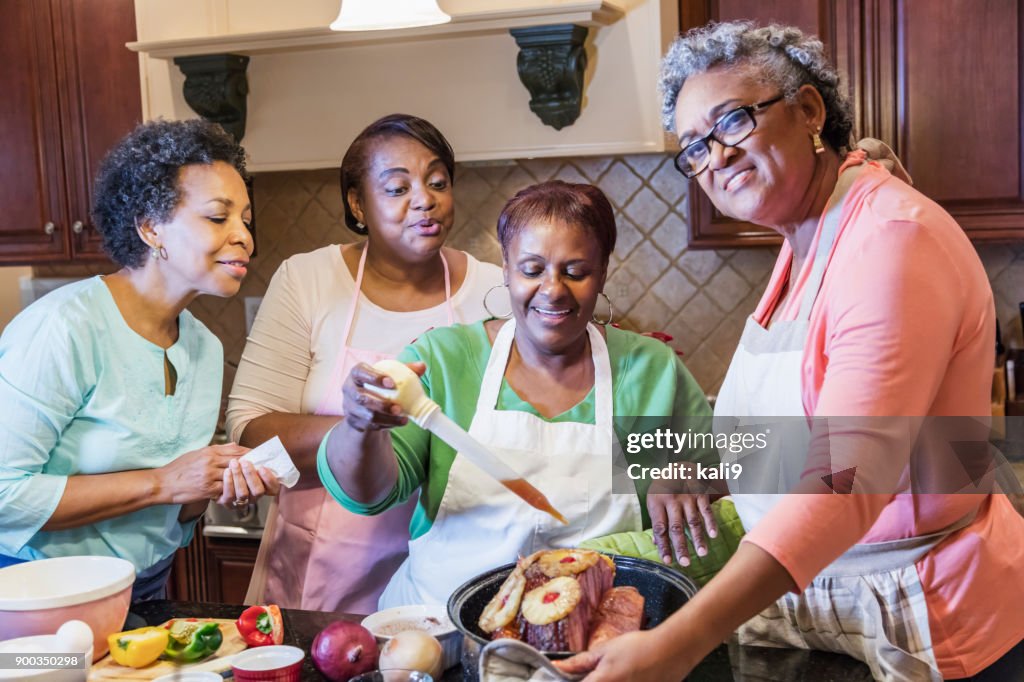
(603, 408)
(447, 288)
(882, 557)
(347, 331)
(490, 386)
(827, 237)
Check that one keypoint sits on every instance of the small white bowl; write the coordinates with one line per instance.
(430, 619)
(276, 663)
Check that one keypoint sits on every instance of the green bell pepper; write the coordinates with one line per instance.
(192, 640)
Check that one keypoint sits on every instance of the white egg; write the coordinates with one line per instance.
(75, 636)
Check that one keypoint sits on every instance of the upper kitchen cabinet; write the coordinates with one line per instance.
(940, 82)
(70, 91)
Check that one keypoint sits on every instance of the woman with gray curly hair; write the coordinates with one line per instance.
(110, 387)
(878, 308)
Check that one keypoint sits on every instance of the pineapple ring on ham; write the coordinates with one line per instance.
(560, 562)
(504, 606)
(552, 601)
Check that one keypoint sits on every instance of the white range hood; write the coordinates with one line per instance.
(311, 90)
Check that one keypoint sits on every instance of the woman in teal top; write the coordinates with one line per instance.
(110, 388)
(543, 390)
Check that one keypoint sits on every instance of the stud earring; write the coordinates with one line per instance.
(158, 252)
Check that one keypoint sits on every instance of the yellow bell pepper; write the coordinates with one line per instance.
(138, 648)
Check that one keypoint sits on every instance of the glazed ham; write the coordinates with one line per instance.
(621, 610)
(559, 595)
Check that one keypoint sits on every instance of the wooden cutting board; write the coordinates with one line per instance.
(107, 669)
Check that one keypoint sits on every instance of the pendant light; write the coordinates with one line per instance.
(375, 15)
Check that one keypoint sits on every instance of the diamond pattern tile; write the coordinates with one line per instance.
(646, 210)
(670, 236)
(673, 288)
(619, 183)
(700, 265)
(593, 167)
(669, 184)
(700, 297)
(727, 288)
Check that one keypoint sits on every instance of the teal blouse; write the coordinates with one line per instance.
(81, 393)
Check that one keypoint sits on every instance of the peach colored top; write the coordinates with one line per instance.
(903, 326)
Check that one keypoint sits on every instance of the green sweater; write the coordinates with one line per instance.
(648, 380)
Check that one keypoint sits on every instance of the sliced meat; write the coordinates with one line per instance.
(570, 633)
(621, 610)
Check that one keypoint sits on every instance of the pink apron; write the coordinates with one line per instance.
(321, 556)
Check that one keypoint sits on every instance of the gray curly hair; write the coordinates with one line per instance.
(782, 55)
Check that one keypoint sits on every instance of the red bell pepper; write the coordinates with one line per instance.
(261, 625)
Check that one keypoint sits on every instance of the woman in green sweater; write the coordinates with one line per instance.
(544, 390)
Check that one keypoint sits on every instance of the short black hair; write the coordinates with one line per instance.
(138, 180)
(579, 205)
(356, 160)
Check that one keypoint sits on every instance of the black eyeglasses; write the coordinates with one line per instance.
(729, 130)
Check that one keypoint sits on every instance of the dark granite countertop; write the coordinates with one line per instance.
(727, 662)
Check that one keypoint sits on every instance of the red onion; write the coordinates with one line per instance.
(343, 650)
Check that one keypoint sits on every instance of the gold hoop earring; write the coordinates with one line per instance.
(488, 308)
(819, 148)
(611, 311)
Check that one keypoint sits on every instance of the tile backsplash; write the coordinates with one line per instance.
(699, 297)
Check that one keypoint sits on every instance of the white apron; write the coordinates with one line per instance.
(869, 603)
(481, 525)
(316, 555)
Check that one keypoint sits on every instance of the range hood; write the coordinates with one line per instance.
(304, 91)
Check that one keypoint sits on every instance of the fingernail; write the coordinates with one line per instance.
(684, 560)
(701, 551)
(712, 532)
(667, 560)
(388, 382)
(396, 410)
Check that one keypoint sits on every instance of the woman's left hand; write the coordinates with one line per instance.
(671, 514)
(642, 656)
(244, 484)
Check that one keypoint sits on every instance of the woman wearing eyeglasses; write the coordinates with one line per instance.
(878, 309)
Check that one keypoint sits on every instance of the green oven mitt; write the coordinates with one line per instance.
(701, 569)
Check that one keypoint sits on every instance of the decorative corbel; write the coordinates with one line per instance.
(551, 64)
(216, 89)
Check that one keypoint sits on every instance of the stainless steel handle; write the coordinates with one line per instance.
(49, 228)
(77, 226)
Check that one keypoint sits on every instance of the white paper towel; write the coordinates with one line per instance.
(272, 455)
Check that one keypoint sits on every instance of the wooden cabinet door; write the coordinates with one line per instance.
(947, 77)
(708, 228)
(229, 567)
(101, 103)
(33, 222)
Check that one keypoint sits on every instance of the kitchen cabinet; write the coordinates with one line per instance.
(948, 101)
(70, 91)
(229, 566)
(213, 569)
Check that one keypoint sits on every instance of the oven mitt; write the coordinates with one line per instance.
(509, 660)
(701, 569)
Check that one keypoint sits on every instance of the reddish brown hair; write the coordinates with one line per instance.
(579, 205)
